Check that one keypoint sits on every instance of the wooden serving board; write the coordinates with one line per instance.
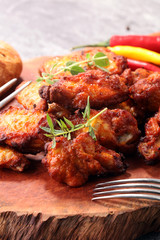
(34, 206)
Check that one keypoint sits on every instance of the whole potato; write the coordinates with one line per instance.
(10, 63)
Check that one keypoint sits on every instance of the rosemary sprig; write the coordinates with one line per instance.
(67, 127)
(100, 60)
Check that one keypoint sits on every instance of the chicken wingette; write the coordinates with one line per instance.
(20, 129)
(72, 92)
(72, 162)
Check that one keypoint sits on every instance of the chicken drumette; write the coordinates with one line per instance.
(72, 162)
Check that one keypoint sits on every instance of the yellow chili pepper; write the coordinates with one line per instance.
(137, 53)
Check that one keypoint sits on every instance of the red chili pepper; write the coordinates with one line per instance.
(134, 64)
(143, 41)
(148, 42)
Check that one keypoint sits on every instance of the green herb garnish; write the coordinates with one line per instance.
(67, 127)
(100, 60)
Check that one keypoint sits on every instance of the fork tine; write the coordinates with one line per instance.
(152, 180)
(143, 196)
(146, 188)
(128, 191)
(128, 185)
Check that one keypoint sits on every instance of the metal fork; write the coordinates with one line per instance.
(145, 188)
(8, 85)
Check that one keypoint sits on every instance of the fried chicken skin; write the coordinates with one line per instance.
(29, 97)
(9, 158)
(146, 92)
(72, 162)
(134, 76)
(58, 111)
(149, 146)
(20, 129)
(72, 92)
(130, 106)
(115, 129)
(140, 73)
(116, 63)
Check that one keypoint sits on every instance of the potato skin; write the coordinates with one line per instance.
(10, 63)
(29, 97)
(20, 129)
(9, 158)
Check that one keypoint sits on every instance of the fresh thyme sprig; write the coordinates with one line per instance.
(100, 60)
(67, 127)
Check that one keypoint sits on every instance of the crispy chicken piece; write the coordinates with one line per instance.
(72, 92)
(140, 73)
(149, 146)
(146, 92)
(58, 111)
(72, 162)
(116, 66)
(20, 129)
(29, 97)
(130, 106)
(134, 76)
(11, 159)
(115, 129)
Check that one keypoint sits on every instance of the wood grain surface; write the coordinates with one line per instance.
(34, 206)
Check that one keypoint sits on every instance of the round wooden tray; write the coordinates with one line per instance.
(34, 206)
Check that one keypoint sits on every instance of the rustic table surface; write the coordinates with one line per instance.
(51, 27)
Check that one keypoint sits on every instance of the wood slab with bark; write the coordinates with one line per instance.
(34, 206)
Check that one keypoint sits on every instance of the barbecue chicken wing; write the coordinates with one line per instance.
(20, 129)
(115, 129)
(149, 146)
(146, 92)
(11, 159)
(116, 63)
(72, 92)
(72, 162)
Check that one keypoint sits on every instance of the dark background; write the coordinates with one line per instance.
(52, 27)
